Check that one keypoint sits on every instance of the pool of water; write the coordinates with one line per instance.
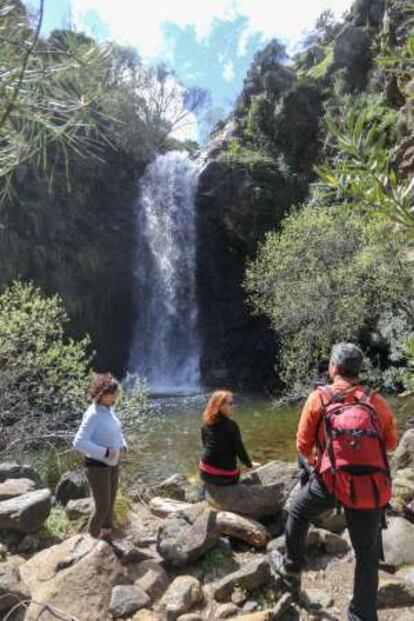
(168, 440)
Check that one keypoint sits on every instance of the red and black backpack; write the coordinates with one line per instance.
(353, 465)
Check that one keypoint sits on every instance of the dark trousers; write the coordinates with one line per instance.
(103, 482)
(364, 529)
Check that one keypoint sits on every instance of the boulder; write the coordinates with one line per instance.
(398, 540)
(182, 594)
(395, 593)
(16, 487)
(191, 616)
(71, 486)
(10, 470)
(261, 493)
(250, 576)
(127, 552)
(333, 520)
(76, 576)
(174, 487)
(315, 599)
(145, 615)
(152, 578)
(126, 599)
(82, 507)
(403, 484)
(239, 527)
(26, 513)
(404, 454)
(225, 611)
(163, 507)
(12, 589)
(327, 541)
(187, 535)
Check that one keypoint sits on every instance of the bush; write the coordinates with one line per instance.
(328, 276)
(43, 374)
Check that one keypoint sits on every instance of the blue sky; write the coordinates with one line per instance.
(208, 43)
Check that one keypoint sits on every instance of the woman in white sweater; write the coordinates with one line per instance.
(100, 439)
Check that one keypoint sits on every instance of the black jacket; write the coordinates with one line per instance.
(223, 444)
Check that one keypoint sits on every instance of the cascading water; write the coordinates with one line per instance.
(165, 348)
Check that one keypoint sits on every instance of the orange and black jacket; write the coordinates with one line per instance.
(311, 430)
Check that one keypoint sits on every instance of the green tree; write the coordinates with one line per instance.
(327, 276)
(43, 374)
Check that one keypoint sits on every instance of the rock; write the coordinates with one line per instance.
(404, 454)
(351, 50)
(239, 527)
(127, 552)
(26, 513)
(76, 576)
(126, 599)
(182, 594)
(407, 574)
(395, 593)
(315, 599)
(250, 605)
(333, 520)
(16, 487)
(30, 543)
(71, 486)
(190, 617)
(11, 470)
(82, 507)
(145, 615)
(278, 544)
(262, 493)
(152, 578)
(224, 611)
(238, 597)
(327, 541)
(163, 507)
(187, 535)
(403, 485)
(398, 540)
(263, 615)
(249, 577)
(175, 487)
(12, 589)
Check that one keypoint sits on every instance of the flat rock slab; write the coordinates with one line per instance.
(187, 535)
(16, 487)
(26, 513)
(10, 470)
(152, 578)
(76, 576)
(249, 577)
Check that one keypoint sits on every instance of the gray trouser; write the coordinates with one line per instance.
(103, 482)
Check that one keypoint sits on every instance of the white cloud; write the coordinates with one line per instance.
(140, 24)
(228, 71)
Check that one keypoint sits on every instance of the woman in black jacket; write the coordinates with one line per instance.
(222, 442)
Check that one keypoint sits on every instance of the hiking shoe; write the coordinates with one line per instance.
(290, 579)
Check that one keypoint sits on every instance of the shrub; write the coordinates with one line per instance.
(43, 374)
(328, 276)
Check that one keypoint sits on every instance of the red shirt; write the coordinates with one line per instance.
(311, 417)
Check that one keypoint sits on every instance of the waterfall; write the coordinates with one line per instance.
(165, 348)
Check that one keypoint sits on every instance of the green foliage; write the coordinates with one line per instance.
(46, 96)
(327, 276)
(362, 174)
(57, 524)
(133, 405)
(43, 375)
(409, 375)
(321, 69)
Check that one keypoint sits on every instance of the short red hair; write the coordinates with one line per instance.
(216, 402)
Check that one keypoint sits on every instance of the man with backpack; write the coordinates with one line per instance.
(344, 432)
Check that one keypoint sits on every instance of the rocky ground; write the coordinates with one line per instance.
(179, 559)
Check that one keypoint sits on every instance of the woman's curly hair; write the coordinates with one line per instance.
(102, 384)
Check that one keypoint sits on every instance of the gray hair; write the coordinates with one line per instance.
(348, 358)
